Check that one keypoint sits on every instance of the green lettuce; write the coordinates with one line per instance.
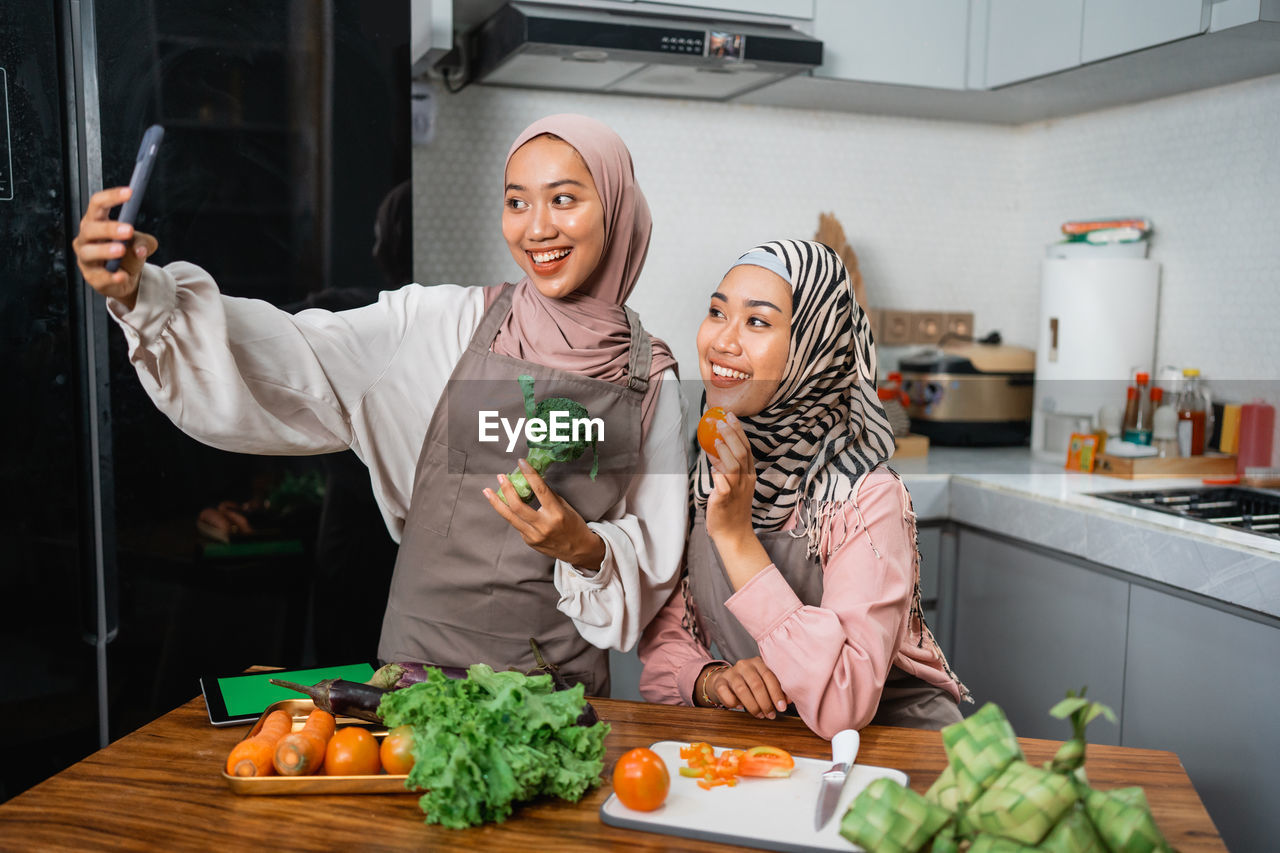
(482, 742)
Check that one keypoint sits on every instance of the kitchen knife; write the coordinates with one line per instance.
(844, 749)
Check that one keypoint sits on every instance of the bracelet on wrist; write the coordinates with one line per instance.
(706, 677)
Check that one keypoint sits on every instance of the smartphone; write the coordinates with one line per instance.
(138, 183)
(238, 698)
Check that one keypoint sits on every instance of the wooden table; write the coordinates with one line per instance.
(161, 788)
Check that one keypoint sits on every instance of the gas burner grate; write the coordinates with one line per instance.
(1251, 510)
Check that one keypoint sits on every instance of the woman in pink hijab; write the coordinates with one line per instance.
(423, 387)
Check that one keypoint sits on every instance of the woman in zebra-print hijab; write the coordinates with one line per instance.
(802, 569)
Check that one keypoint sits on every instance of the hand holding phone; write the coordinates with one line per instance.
(142, 169)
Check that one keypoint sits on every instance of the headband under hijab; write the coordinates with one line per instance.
(587, 331)
(824, 427)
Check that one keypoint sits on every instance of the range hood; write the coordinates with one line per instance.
(594, 50)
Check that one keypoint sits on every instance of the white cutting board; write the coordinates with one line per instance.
(772, 814)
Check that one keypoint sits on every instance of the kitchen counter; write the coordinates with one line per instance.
(1009, 492)
(161, 788)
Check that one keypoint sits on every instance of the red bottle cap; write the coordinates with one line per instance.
(1157, 394)
(1143, 378)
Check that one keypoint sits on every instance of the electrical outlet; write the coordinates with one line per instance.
(926, 327)
(895, 327)
(959, 323)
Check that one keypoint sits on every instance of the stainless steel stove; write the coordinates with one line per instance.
(1251, 510)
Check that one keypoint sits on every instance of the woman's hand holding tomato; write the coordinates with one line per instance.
(640, 780)
(733, 471)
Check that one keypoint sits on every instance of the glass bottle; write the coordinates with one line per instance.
(1191, 414)
(1164, 426)
(1140, 431)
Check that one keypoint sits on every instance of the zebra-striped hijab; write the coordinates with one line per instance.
(824, 427)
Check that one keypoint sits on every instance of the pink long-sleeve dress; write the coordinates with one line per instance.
(844, 634)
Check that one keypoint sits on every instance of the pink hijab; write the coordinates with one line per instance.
(587, 332)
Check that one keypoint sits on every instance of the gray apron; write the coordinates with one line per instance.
(905, 700)
(466, 587)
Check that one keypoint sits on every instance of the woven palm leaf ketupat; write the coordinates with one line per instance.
(990, 800)
(996, 844)
(1023, 803)
(1123, 819)
(1073, 834)
(980, 747)
(890, 818)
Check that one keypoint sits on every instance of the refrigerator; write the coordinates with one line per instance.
(287, 131)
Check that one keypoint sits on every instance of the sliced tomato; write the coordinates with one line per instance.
(766, 761)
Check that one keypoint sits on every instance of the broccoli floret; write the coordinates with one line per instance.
(543, 453)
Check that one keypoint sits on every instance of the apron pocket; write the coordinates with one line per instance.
(444, 470)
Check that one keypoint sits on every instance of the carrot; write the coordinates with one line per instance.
(302, 752)
(253, 755)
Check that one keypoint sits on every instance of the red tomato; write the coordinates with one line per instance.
(766, 761)
(352, 751)
(640, 780)
(396, 751)
(709, 430)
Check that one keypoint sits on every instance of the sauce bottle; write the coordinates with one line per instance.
(1192, 413)
(1140, 430)
(1257, 423)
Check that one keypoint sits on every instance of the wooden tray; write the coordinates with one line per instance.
(1136, 468)
(382, 783)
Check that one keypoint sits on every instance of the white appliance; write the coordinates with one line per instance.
(1097, 328)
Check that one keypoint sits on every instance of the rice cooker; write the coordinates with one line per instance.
(971, 394)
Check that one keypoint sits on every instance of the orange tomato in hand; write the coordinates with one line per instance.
(352, 751)
(396, 751)
(640, 780)
(709, 430)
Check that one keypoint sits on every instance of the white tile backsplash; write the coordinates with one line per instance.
(943, 215)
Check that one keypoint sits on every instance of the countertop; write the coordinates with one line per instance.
(1008, 491)
(161, 787)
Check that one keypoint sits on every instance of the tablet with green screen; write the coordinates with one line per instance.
(241, 698)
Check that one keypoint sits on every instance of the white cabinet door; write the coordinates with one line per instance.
(1113, 27)
(1030, 38)
(905, 42)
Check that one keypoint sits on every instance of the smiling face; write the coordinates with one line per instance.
(552, 216)
(744, 340)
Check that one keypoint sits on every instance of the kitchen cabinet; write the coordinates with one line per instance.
(1030, 38)
(1029, 624)
(909, 42)
(1113, 27)
(1196, 680)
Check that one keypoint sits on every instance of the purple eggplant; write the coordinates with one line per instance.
(398, 674)
(339, 697)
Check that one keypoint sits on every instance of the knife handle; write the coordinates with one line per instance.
(844, 746)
